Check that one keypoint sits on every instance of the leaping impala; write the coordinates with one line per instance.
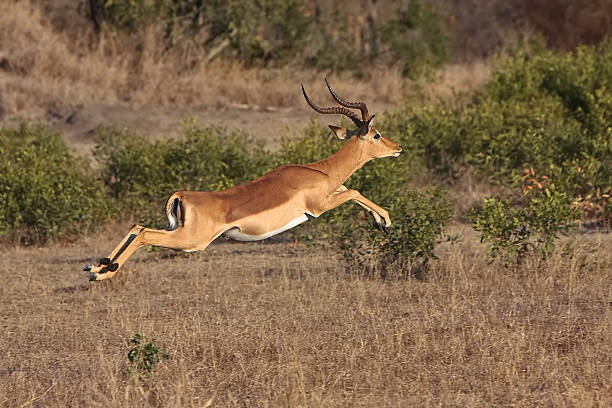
(273, 203)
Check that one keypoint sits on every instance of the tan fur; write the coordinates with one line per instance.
(263, 205)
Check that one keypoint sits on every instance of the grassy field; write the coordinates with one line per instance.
(276, 323)
(269, 324)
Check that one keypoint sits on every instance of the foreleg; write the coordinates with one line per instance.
(380, 215)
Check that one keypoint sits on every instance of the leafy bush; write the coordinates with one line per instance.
(416, 37)
(139, 172)
(540, 109)
(419, 219)
(252, 30)
(511, 232)
(121, 13)
(563, 107)
(274, 32)
(315, 143)
(46, 192)
(260, 30)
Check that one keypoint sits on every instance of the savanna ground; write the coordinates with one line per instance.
(274, 323)
(270, 324)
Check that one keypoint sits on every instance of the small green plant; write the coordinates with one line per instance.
(511, 233)
(143, 357)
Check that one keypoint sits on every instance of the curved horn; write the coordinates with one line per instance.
(355, 105)
(336, 109)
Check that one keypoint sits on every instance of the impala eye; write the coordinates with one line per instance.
(377, 136)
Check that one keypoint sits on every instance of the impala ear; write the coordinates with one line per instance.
(340, 132)
(371, 122)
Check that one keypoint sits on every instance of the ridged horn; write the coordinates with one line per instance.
(336, 109)
(365, 116)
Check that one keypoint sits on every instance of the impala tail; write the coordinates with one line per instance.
(174, 211)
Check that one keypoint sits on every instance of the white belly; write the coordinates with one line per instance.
(237, 235)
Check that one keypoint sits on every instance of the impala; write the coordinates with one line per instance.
(273, 203)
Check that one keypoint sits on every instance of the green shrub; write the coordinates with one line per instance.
(419, 220)
(415, 37)
(557, 111)
(540, 109)
(254, 31)
(316, 142)
(512, 232)
(410, 34)
(121, 13)
(143, 357)
(141, 173)
(260, 30)
(46, 192)
(275, 32)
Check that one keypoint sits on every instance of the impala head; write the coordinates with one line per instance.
(369, 138)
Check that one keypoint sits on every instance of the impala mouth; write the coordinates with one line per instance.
(394, 154)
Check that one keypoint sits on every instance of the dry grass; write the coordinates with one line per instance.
(43, 67)
(267, 325)
(46, 74)
(264, 324)
(74, 82)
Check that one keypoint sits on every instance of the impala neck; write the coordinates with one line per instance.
(342, 164)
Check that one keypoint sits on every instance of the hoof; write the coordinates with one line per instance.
(377, 226)
(386, 229)
(93, 277)
(88, 268)
(113, 267)
(104, 261)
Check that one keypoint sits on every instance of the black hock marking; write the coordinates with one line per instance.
(181, 216)
(103, 270)
(113, 267)
(127, 243)
(105, 261)
(174, 213)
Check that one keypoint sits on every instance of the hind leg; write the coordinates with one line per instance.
(138, 237)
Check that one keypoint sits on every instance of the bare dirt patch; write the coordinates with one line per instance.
(263, 324)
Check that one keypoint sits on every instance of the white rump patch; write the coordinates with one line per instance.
(172, 222)
(237, 235)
